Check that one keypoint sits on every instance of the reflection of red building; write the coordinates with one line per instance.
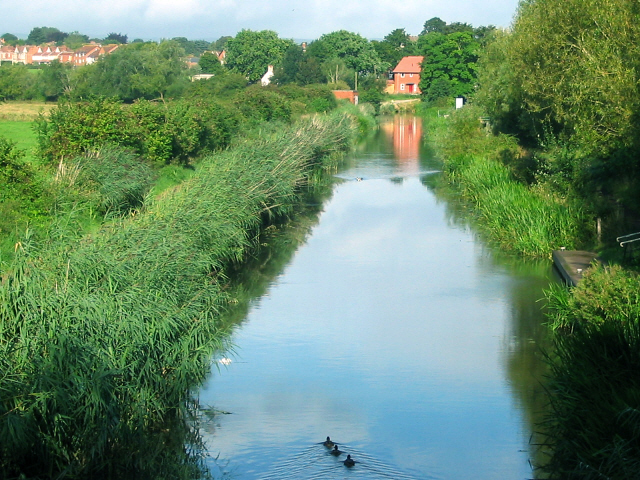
(406, 132)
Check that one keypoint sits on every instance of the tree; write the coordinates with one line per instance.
(209, 63)
(309, 72)
(141, 70)
(40, 35)
(290, 65)
(55, 80)
(220, 43)
(395, 46)
(577, 62)
(450, 58)
(76, 40)
(10, 39)
(250, 53)
(16, 82)
(434, 25)
(355, 51)
(116, 38)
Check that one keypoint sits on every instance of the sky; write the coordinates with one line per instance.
(211, 19)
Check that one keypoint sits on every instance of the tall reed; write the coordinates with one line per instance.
(101, 339)
(519, 218)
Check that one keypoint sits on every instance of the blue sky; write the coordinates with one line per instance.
(211, 19)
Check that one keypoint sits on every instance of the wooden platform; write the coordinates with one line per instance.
(571, 264)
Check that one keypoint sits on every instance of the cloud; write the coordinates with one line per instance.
(208, 19)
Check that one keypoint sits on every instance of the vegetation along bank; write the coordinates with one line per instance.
(546, 151)
(104, 334)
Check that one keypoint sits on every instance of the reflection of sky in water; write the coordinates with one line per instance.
(384, 332)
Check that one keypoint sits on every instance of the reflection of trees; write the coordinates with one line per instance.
(278, 243)
(528, 338)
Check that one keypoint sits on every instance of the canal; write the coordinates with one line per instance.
(390, 327)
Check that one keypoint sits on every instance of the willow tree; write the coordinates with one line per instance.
(577, 64)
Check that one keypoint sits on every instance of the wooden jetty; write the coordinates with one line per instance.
(571, 264)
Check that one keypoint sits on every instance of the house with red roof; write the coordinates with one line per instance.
(406, 75)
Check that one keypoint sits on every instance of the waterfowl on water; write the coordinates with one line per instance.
(328, 443)
(335, 451)
(358, 179)
(349, 462)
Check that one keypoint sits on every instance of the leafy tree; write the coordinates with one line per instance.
(116, 38)
(288, 70)
(336, 70)
(141, 70)
(221, 43)
(500, 91)
(54, 81)
(209, 63)
(577, 63)
(220, 86)
(451, 58)
(250, 53)
(16, 82)
(10, 39)
(355, 51)
(434, 25)
(40, 35)
(309, 72)
(484, 34)
(395, 46)
(76, 40)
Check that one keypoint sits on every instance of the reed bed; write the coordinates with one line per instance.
(519, 218)
(101, 339)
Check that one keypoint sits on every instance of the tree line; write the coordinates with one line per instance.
(343, 59)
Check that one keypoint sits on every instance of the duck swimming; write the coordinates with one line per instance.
(335, 451)
(328, 443)
(349, 462)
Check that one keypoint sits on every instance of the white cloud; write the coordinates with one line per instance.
(290, 18)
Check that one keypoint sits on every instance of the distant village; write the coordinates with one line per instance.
(37, 54)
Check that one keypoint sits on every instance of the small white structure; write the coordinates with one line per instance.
(459, 102)
(266, 78)
(202, 76)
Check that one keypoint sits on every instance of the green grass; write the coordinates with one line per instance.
(101, 338)
(20, 132)
(518, 218)
(593, 429)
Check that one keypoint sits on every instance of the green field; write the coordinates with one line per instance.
(22, 134)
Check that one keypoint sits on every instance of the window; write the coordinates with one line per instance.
(402, 86)
(411, 75)
(402, 75)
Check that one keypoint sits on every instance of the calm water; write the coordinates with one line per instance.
(393, 329)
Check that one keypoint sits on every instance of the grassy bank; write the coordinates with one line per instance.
(103, 336)
(526, 221)
(592, 430)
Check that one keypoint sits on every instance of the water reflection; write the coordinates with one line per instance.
(392, 329)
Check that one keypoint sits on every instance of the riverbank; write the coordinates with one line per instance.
(592, 429)
(522, 220)
(103, 335)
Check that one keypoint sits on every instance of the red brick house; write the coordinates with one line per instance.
(406, 75)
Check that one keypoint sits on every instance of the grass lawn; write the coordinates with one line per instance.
(20, 132)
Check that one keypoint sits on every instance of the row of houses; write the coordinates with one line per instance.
(34, 54)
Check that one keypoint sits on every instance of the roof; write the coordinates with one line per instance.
(410, 64)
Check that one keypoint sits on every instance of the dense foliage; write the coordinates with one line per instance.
(101, 338)
(250, 53)
(565, 79)
(159, 133)
(593, 429)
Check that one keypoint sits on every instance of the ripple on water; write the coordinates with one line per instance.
(317, 463)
